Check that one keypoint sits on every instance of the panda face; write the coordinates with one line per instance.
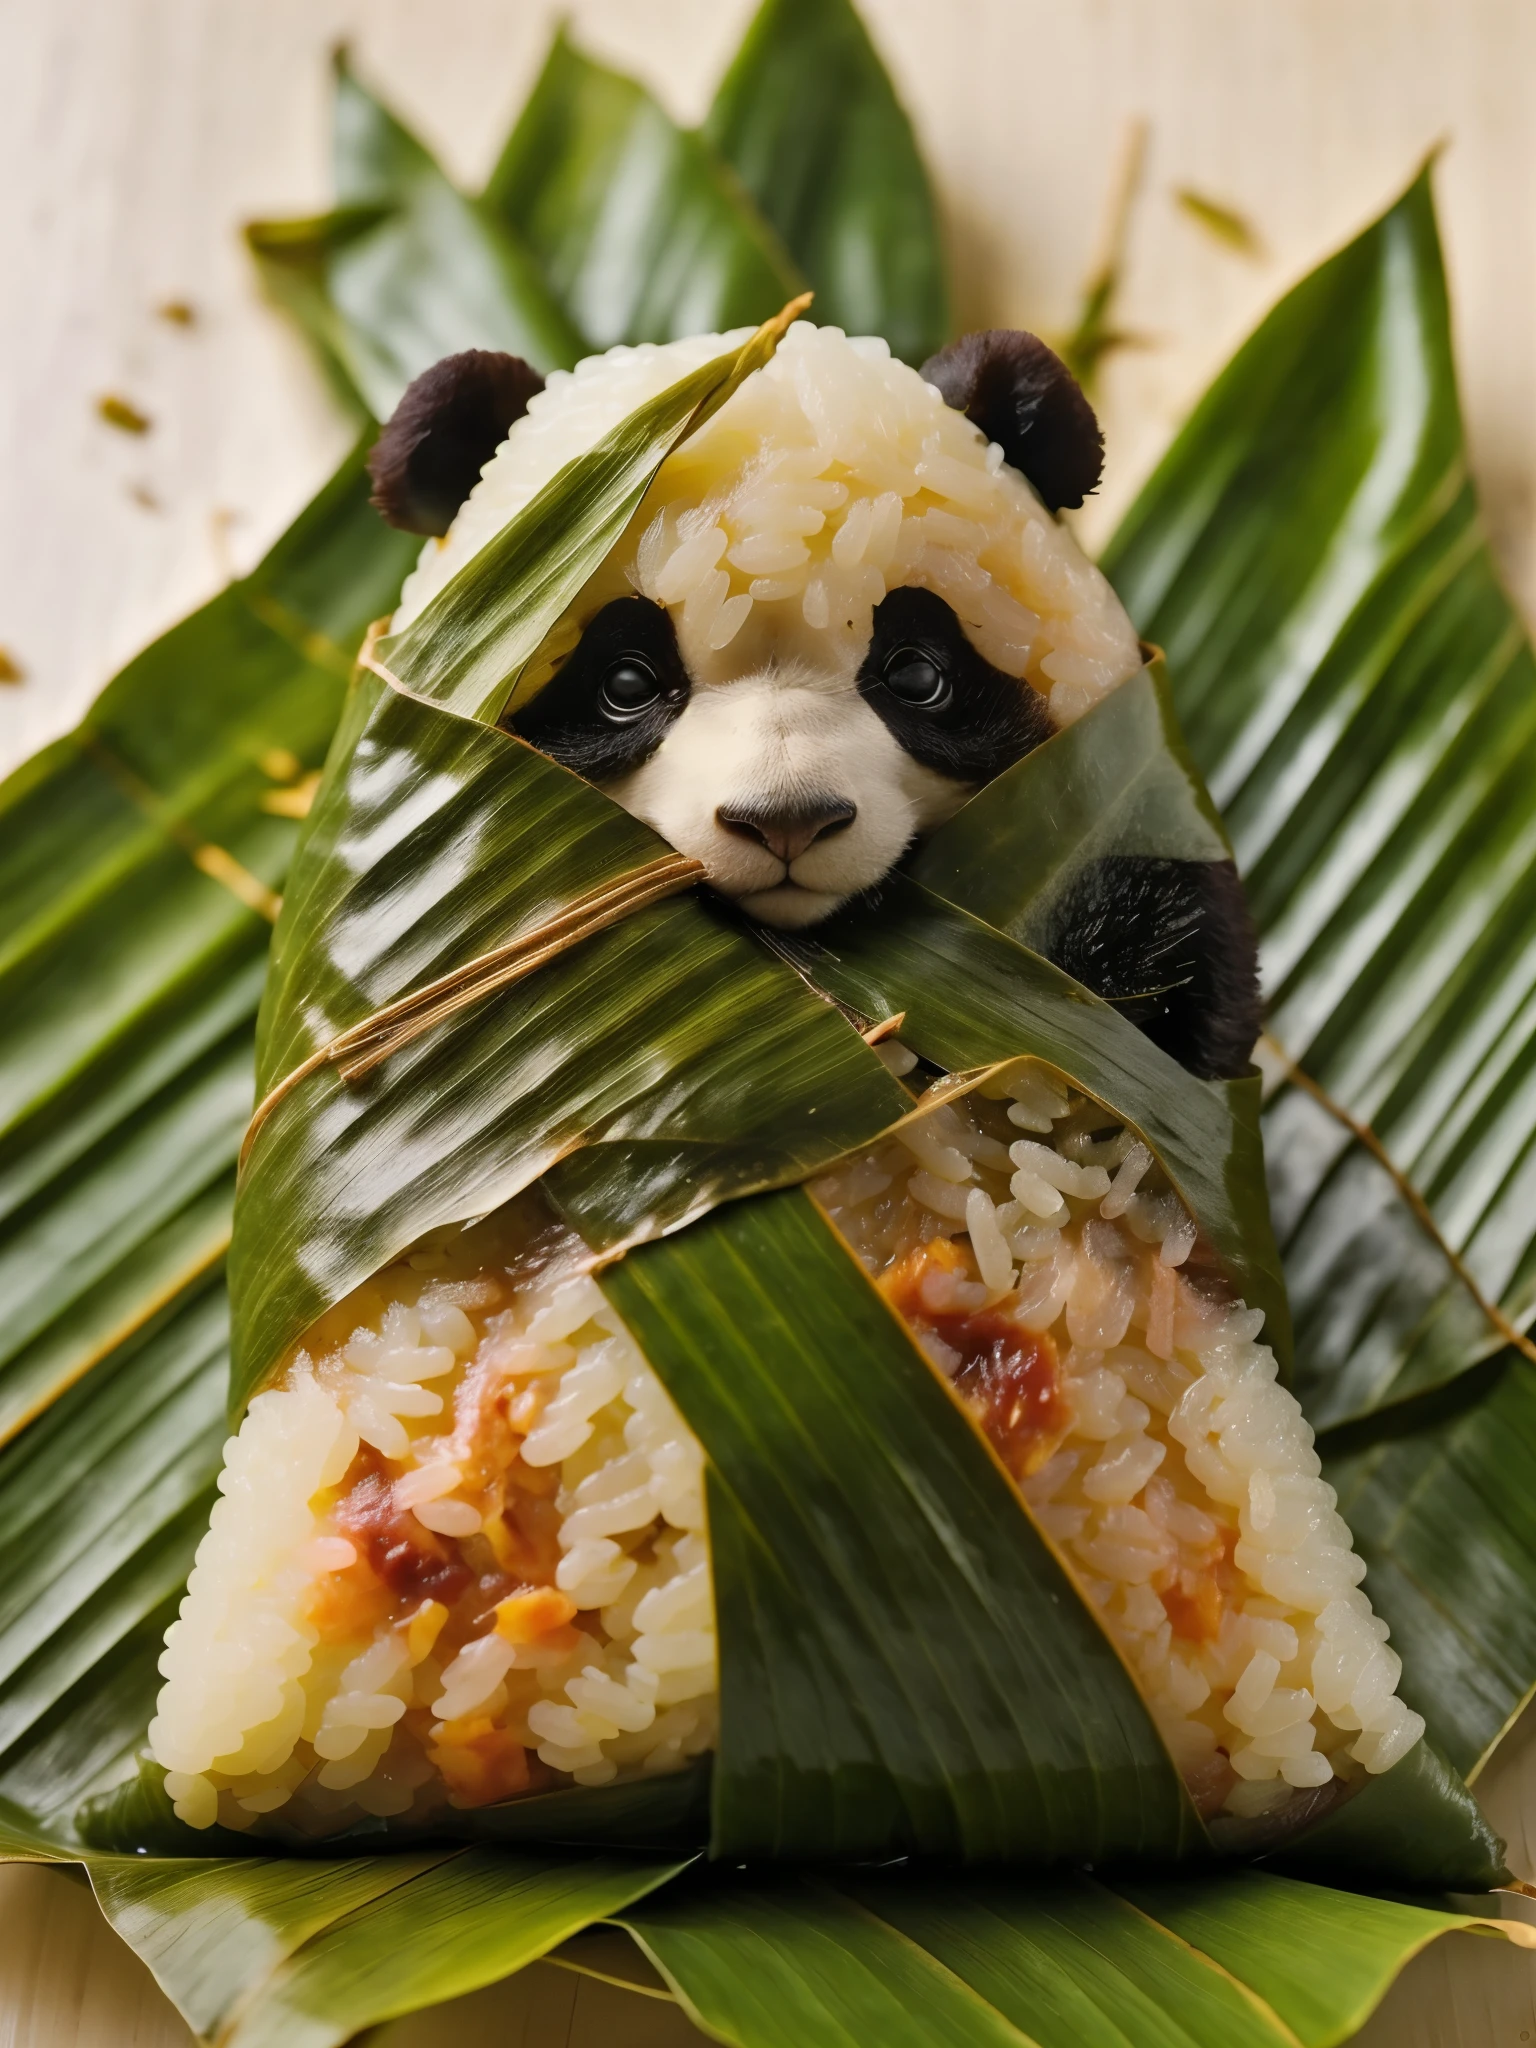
(796, 767)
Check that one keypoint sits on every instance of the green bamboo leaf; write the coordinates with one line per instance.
(294, 258)
(642, 233)
(1443, 1514)
(21, 1839)
(1321, 1960)
(973, 998)
(1247, 1962)
(136, 858)
(1362, 700)
(1417, 1825)
(476, 1917)
(807, 116)
(1119, 781)
(905, 1665)
(102, 1504)
(1073, 1965)
(763, 1964)
(406, 269)
(214, 1932)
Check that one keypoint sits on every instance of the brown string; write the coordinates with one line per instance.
(367, 1044)
(1423, 1214)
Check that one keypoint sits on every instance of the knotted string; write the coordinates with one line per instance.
(356, 1051)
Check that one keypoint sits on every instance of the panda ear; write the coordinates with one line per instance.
(443, 432)
(1022, 395)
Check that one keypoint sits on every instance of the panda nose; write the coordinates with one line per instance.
(789, 830)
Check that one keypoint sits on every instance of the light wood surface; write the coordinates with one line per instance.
(138, 134)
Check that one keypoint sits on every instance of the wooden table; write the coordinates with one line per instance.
(139, 133)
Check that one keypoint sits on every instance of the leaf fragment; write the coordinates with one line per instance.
(122, 413)
(1224, 224)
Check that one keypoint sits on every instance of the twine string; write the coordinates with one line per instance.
(366, 1045)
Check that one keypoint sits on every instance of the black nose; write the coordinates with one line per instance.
(789, 829)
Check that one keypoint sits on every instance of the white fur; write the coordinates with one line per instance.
(773, 738)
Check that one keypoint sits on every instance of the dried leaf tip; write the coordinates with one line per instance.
(886, 1028)
(787, 315)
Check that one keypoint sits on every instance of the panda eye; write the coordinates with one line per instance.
(629, 688)
(914, 677)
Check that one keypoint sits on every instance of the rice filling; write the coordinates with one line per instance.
(1044, 1264)
(461, 1553)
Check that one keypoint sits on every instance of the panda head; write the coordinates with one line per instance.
(844, 605)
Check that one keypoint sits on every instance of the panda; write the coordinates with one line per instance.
(846, 603)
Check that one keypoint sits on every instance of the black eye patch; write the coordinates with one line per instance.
(939, 699)
(610, 706)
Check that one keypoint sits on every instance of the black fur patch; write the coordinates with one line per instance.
(979, 721)
(584, 722)
(443, 432)
(1022, 396)
(1171, 945)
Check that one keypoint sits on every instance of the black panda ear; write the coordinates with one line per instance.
(443, 432)
(1022, 395)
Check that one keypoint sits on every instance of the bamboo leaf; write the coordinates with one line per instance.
(765, 1964)
(213, 1931)
(807, 116)
(131, 958)
(102, 1504)
(905, 1666)
(309, 1952)
(407, 269)
(642, 233)
(1443, 1514)
(479, 1916)
(1119, 781)
(1321, 1960)
(132, 971)
(1362, 697)
(1074, 1966)
(1417, 1825)
(1363, 703)
(1250, 1962)
(294, 259)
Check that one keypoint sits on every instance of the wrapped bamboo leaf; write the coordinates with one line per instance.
(953, 1508)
